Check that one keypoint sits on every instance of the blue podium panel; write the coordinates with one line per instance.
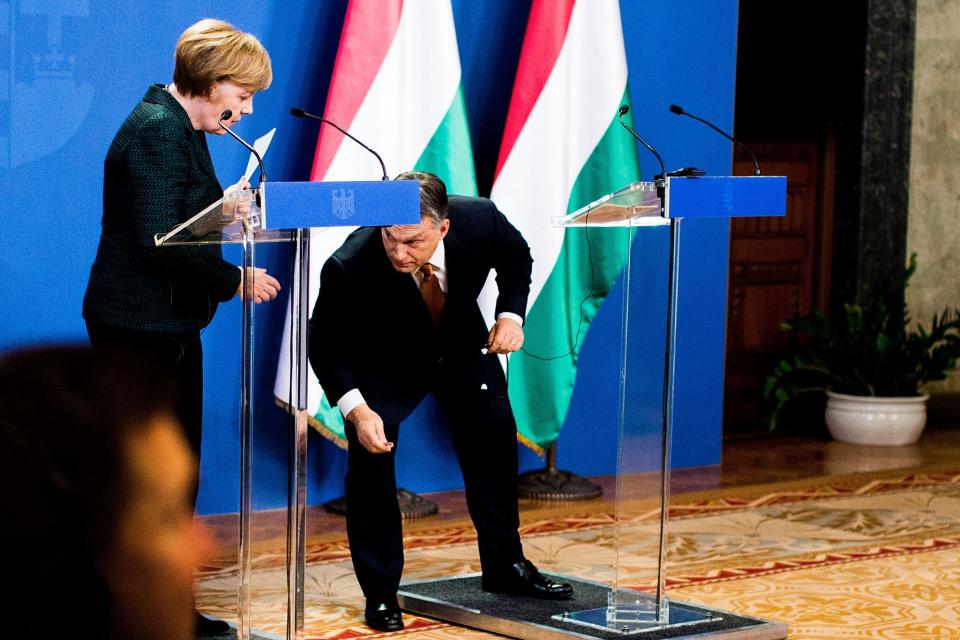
(726, 196)
(300, 205)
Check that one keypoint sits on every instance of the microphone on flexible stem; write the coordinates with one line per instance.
(300, 113)
(226, 115)
(622, 112)
(680, 112)
(624, 108)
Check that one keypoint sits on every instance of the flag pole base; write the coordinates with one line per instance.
(551, 483)
(412, 505)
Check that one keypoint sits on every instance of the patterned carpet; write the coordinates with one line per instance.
(850, 557)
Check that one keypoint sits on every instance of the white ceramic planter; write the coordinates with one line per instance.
(874, 420)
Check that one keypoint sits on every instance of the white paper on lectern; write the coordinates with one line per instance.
(260, 144)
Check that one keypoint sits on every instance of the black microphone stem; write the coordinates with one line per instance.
(223, 116)
(662, 181)
(623, 110)
(300, 113)
(680, 112)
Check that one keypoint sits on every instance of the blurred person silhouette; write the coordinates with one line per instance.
(97, 481)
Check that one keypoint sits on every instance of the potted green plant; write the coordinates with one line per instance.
(870, 363)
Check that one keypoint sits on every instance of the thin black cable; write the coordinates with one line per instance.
(591, 294)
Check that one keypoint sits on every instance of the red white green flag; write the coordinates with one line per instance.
(563, 148)
(396, 86)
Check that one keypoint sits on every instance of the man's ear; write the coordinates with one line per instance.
(444, 227)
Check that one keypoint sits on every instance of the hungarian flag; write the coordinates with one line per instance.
(395, 86)
(563, 148)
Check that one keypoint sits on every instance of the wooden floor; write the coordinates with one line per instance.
(745, 462)
(776, 459)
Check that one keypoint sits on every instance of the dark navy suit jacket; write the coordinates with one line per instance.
(370, 329)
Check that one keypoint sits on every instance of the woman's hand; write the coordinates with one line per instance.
(239, 185)
(238, 207)
(265, 286)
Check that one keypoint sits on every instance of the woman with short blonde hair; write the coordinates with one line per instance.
(154, 301)
(213, 51)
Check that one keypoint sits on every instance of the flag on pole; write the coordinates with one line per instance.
(396, 85)
(562, 148)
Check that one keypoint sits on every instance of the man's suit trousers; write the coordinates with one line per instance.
(485, 441)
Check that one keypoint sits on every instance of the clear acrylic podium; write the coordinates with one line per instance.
(629, 597)
(644, 447)
(293, 210)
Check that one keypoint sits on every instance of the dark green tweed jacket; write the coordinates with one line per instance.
(157, 174)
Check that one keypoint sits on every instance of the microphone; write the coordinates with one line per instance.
(297, 112)
(680, 112)
(226, 115)
(624, 108)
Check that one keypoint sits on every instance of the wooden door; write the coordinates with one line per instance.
(779, 267)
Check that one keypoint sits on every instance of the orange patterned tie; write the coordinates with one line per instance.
(433, 295)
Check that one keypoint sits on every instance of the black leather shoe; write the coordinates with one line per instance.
(383, 616)
(524, 579)
(208, 626)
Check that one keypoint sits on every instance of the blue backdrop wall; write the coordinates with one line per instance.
(73, 69)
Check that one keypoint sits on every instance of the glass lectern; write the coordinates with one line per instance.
(644, 444)
(243, 218)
